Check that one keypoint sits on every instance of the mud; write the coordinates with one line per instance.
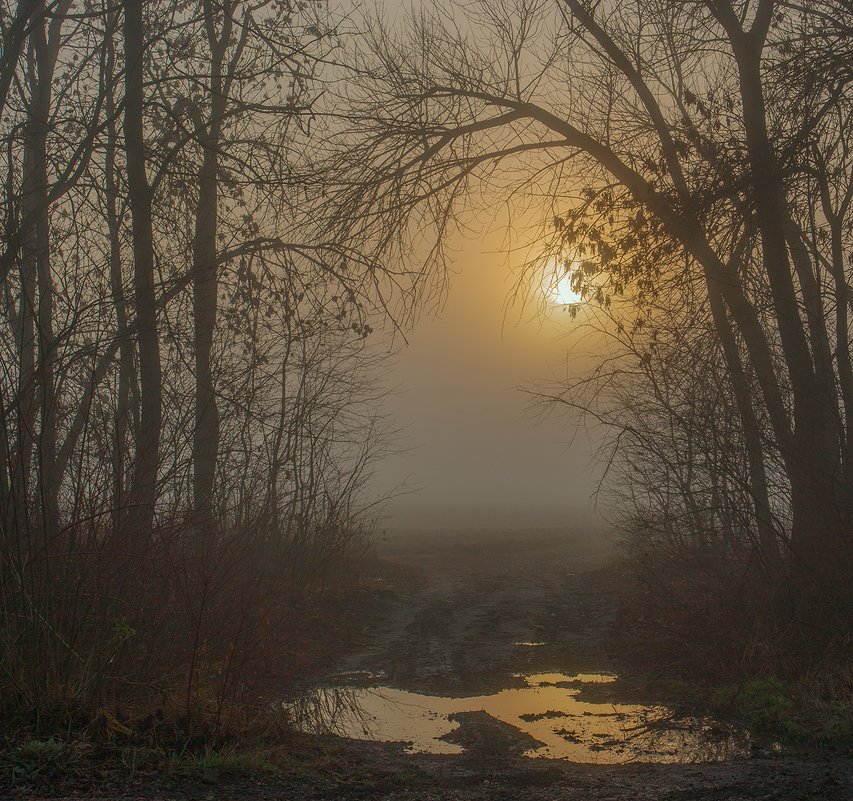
(470, 614)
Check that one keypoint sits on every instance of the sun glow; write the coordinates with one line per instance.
(558, 285)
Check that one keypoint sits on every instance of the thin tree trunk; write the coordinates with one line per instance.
(122, 413)
(139, 195)
(768, 543)
(26, 397)
(206, 434)
(40, 251)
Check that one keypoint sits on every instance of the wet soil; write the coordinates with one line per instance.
(467, 614)
(462, 616)
(375, 772)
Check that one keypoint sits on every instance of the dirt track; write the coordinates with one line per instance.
(453, 614)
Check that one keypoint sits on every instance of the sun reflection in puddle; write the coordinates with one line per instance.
(546, 709)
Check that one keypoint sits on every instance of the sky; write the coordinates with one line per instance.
(474, 452)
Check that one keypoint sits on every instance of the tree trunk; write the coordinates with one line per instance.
(768, 544)
(139, 195)
(815, 472)
(122, 413)
(26, 396)
(822, 566)
(37, 316)
(206, 434)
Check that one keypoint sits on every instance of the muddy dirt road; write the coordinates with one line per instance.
(467, 616)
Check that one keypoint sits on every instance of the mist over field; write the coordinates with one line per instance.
(475, 451)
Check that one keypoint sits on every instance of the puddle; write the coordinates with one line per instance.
(561, 679)
(546, 709)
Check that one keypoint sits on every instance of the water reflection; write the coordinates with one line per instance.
(546, 709)
(561, 679)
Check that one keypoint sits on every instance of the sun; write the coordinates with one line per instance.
(561, 291)
(558, 285)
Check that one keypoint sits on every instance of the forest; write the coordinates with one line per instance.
(221, 217)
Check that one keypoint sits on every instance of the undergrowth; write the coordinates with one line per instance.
(130, 753)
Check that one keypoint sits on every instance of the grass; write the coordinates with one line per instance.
(123, 755)
(126, 754)
(39, 761)
(213, 765)
(815, 709)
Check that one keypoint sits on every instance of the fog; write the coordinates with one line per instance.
(301, 301)
(475, 450)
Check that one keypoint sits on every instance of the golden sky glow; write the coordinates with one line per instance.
(472, 446)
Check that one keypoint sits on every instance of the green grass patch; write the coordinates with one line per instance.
(218, 764)
(814, 709)
(35, 760)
